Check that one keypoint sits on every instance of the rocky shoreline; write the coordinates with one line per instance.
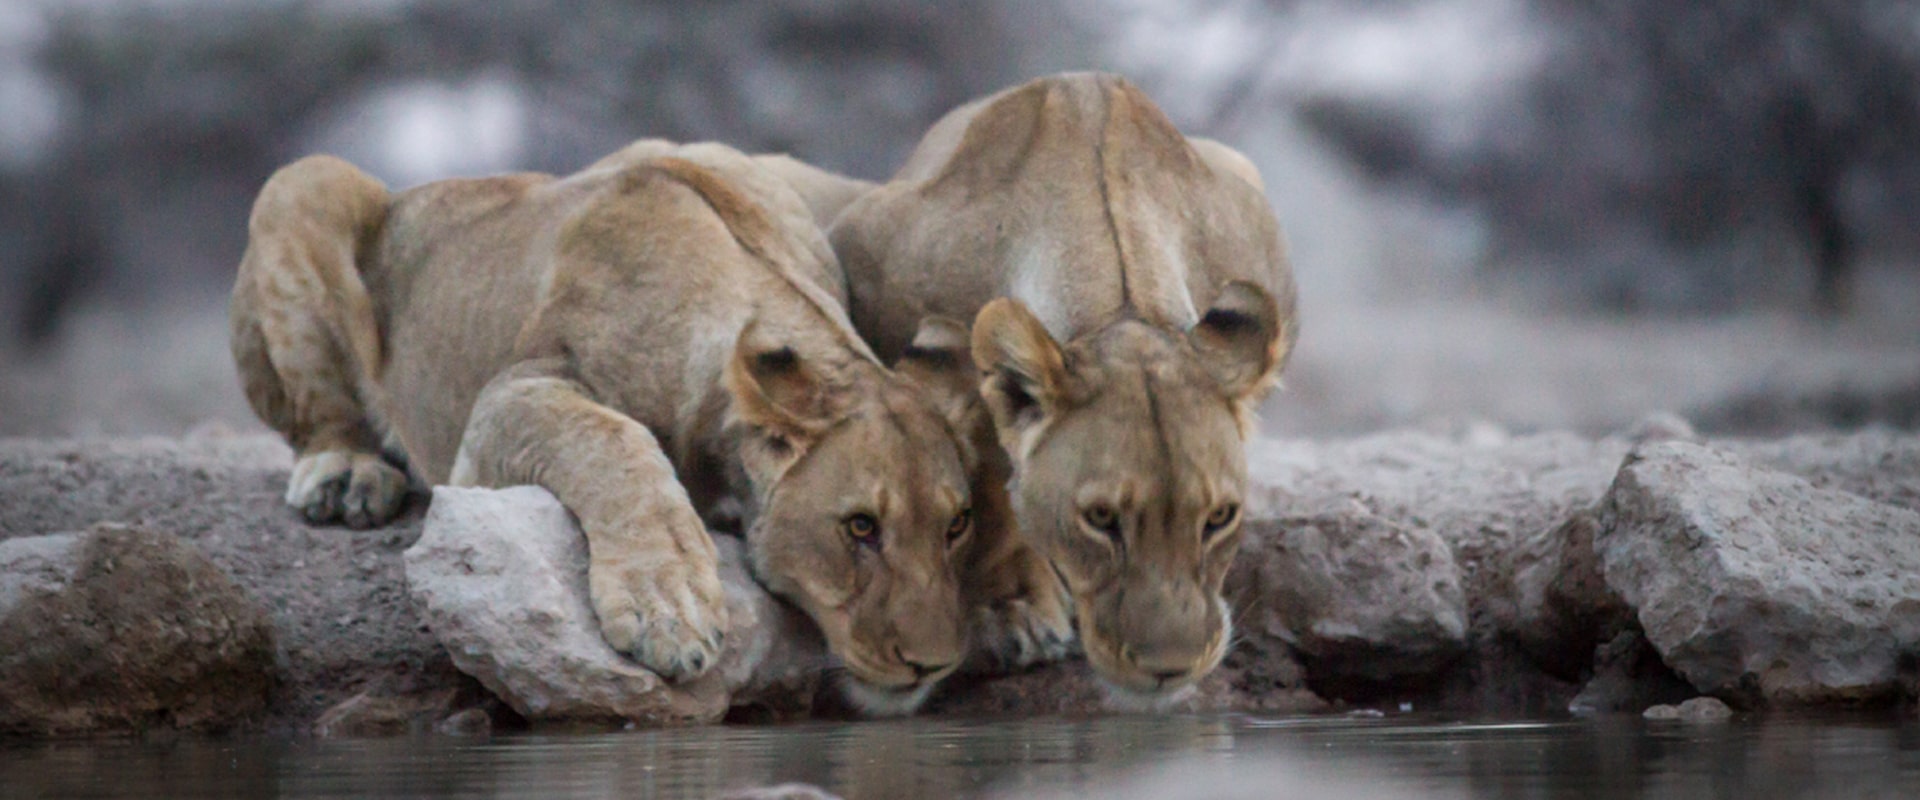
(1466, 569)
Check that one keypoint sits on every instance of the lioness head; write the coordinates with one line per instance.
(863, 500)
(1129, 469)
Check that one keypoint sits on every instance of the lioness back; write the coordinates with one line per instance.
(465, 263)
(1075, 193)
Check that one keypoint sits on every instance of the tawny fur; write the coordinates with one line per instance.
(658, 337)
(1132, 303)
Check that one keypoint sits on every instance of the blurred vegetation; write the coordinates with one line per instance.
(1695, 156)
(176, 112)
(1683, 156)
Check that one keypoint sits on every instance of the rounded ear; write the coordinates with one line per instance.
(939, 362)
(1240, 340)
(774, 389)
(1024, 374)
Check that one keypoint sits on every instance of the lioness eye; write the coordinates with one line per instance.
(1101, 518)
(958, 527)
(863, 528)
(1222, 517)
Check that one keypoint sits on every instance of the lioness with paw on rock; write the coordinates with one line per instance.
(1134, 304)
(656, 338)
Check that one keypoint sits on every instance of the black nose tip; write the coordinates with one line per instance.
(920, 671)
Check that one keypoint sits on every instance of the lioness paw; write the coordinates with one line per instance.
(359, 489)
(1016, 634)
(672, 617)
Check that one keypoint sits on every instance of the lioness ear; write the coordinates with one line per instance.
(939, 362)
(774, 390)
(1240, 341)
(1024, 375)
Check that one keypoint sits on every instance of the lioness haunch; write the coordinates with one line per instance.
(658, 336)
(1134, 303)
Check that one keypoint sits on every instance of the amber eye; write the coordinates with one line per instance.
(863, 528)
(1101, 518)
(958, 527)
(1222, 517)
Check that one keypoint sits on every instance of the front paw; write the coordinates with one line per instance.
(1032, 627)
(671, 617)
(360, 489)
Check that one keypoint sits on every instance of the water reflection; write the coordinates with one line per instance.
(928, 759)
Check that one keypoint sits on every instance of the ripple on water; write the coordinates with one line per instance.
(1778, 756)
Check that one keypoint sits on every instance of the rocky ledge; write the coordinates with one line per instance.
(1467, 569)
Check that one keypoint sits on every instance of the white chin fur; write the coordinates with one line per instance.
(877, 702)
(1121, 698)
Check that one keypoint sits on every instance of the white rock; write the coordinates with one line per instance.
(1756, 583)
(1698, 709)
(501, 576)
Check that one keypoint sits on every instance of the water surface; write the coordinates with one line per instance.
(1775, 757)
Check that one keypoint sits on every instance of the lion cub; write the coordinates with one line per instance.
(657, 337)
(1134, 303)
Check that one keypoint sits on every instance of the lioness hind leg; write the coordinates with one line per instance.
(304, 337)
(653, 572)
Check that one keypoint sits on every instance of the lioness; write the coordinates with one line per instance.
(1134, 303)
(1021, 615)
(658, 335)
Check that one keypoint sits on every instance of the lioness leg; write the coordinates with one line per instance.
(304, 337)
(652, 570)
(1022, 615)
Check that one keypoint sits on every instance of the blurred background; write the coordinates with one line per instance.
(1505, 214)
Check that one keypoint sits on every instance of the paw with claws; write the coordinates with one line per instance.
(668, 615)
(1031, 625)
(359, 489)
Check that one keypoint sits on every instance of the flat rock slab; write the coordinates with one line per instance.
(126, 629)
(501, 578)
(1755, 583)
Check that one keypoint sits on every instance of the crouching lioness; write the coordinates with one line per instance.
(1134, 304)
(655, 339)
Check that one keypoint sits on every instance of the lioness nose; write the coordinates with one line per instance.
(1166, 675)
(920, 670)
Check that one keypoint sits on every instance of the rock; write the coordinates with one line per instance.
(1562, 606)
(368, 714)
(224, 495)
(120, 629)
(1699, 709)
(1483, 496)
(1880, 465)
(1359, 597)
(469, 722)
(501, 577)
(1660, 426)
(1628, 675)
(1757, 584)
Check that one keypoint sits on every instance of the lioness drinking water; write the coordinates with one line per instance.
(656, 338)
(1134, 304)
